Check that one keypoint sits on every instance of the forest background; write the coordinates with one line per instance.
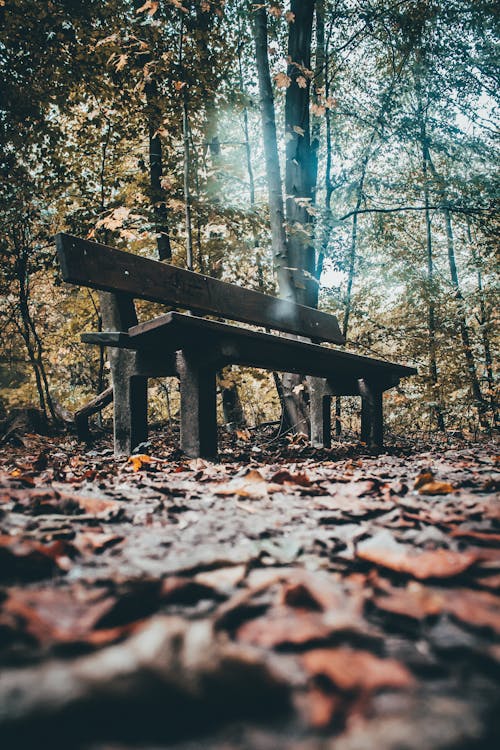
(149, 126)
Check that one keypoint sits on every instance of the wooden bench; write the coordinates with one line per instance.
(194, 348)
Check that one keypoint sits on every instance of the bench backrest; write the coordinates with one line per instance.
(107, 269)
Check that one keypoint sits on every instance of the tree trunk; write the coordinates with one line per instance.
(462, 321)
(157, 193)
(461, 311)
(29, 332)
(301, 162)
(273, 172)
(187, 155)
(484, 323)
(289, 256)
(431, 314)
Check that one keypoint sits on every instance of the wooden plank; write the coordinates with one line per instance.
(192, 330)
(108, 338)
(102, 267)
(227, 344)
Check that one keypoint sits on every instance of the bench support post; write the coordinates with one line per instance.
(130, 403)
(320, 413)
(372, 420)
(198, 407)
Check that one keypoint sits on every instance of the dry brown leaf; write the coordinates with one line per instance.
(121, 62)
(31, 561)
(90, 542)
(475, 608)
(351, 670)
(251, 485)
(150, 7)
(282, 80)
(282, 626)
(383, 550)
(243, 435)
(423, 478)
(104, 509)
(415, 601)
(436, 488)
(222, 578)
(286, 477)
(56, 615)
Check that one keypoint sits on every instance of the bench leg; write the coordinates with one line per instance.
(130, 404)
(198, 408)
(320, 413)
(372, 420)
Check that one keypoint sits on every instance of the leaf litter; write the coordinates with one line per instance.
(287, 597)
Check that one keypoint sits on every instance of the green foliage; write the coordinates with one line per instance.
(86, 85)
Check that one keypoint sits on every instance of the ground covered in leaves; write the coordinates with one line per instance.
(282, 598)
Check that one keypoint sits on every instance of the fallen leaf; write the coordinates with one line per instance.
(351, 670)
(284, 627)
(48, 501)
(222, 578)
(286, 477)
(479, 609)
(54, 615)
(415, 601)
(140, 460)
(90, 542)
(436, 488)
(106, 510)
(382, 549)
(251, 485)
(321, 707)
(423, 478)
(243, 435)
(28, 560)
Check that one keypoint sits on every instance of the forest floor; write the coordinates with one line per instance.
(284, 598)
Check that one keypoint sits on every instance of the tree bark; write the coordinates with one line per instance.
(461, 311)
(273, 171)
(484, 324)
(301, 163)
(431, 313)
(157, 193)
(292, 418)
(28, 330)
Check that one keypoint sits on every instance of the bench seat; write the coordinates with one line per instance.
(224, 344)
(195, 349)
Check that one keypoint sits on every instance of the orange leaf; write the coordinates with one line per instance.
(436, 488)
(140, 460)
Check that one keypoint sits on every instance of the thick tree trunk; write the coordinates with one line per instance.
(293, 418)
(301, 162)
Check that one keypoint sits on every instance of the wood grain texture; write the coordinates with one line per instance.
(101, 267)
(227, 344)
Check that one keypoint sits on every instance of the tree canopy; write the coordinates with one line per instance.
(339, 152)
